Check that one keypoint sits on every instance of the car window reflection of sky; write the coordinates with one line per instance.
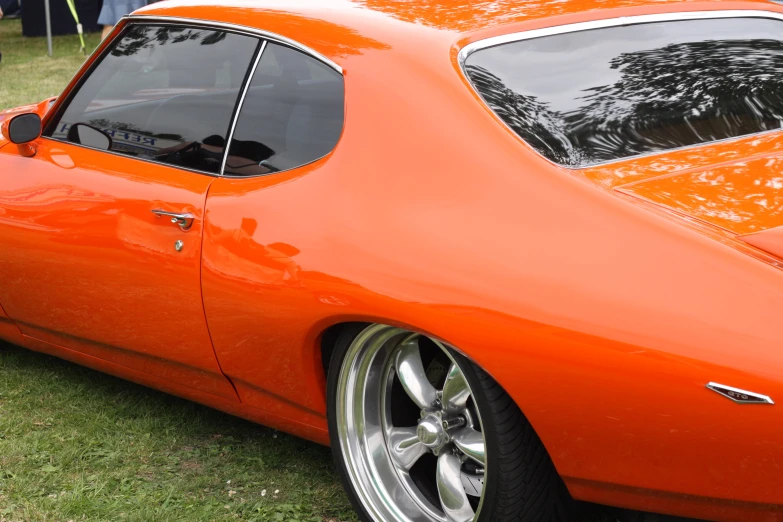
(559, 69)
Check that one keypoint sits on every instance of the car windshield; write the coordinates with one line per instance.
(589, 97)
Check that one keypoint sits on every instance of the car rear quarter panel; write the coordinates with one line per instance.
(602, 320)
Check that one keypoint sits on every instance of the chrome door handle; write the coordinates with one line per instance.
(185, 221)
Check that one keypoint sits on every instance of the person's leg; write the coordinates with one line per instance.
(107, 17)
(9, 8)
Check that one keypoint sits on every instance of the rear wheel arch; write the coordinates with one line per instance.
(330, 337)
(333, 334)
(334, 342)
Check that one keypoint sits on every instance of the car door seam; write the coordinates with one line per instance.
(201, 290)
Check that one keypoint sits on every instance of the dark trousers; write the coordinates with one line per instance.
(9, 7)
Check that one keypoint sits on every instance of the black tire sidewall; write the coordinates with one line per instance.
(491, 474)
(335, 366)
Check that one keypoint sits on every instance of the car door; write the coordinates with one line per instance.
(101, 229)
(258, 291)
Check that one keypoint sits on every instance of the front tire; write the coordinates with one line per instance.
(421, 434)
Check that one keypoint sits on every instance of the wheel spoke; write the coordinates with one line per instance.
(410, 371)
(453, 498)
(405, 448)
(455, 390)
(471, 443)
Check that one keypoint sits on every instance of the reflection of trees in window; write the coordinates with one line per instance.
(673, 96)
(141, 37)
(533, 120)
(681, 95)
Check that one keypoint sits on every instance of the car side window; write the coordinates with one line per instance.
(292, 114)
(163, 93)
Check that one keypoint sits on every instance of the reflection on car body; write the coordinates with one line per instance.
(498, 258)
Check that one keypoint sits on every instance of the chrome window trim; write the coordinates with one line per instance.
(243, 29)
(134, 158)
(262, 36)
(495, 41)
(471, 48)
(238, 176)
(238, 109)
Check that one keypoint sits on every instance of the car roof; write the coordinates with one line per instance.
(403, 53)
(335, 27)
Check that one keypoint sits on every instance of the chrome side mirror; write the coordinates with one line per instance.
(24, 128)
(89, 136)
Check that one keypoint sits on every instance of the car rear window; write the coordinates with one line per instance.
(599, 95)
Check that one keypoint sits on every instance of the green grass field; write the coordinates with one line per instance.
(79, 445)
(27, 73)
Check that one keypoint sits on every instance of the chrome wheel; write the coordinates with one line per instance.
(409, 430)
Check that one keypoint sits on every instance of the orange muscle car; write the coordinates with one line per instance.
(500, 254)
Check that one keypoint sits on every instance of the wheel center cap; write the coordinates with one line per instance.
(430, 432)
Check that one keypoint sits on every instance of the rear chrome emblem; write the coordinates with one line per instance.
(739, 396)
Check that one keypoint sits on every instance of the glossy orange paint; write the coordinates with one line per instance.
(742, 197)
(5, 118)
(86, 264)
(39, 108)
(8, 330)
(769, 240)
(603, 319)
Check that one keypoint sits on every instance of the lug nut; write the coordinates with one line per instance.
(454, 422)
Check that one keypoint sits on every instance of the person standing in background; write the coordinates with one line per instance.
(8, 7)
(113, 10)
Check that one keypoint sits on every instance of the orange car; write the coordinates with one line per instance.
(499, 254)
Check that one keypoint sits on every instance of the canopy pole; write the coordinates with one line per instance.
(48, 27)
